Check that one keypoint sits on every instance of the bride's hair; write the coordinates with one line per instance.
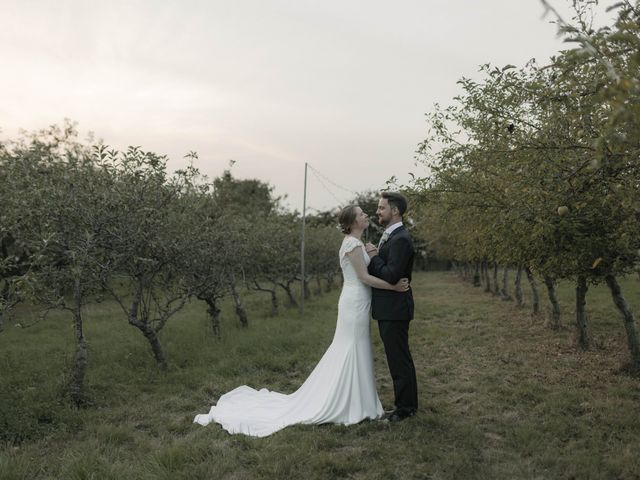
(346, 218)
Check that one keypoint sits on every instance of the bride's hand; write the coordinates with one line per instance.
(402, 286)
(371, 249)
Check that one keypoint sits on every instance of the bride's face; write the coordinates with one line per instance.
(362, 219)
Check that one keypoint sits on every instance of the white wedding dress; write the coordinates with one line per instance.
(340, 389)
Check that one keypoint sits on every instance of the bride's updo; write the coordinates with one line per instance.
(346, 218)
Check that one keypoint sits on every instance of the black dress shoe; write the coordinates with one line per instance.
(401, 414)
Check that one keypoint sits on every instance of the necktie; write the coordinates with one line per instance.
(385, 237)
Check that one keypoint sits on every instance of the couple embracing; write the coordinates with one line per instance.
(341, 388)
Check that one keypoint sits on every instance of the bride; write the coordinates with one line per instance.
(341, 388)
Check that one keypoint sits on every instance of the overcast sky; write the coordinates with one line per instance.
(272, 84)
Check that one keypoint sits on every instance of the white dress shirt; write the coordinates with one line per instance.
(388, 232)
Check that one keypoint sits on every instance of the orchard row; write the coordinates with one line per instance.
(538, 168)
(80, 223)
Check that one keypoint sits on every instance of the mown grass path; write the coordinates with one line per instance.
(501, 396)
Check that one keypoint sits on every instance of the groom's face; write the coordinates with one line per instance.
(384, 212)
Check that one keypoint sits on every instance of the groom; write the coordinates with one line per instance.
(391, 261)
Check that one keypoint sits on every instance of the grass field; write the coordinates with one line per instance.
(502, 397)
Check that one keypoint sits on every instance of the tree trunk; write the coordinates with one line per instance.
(496, 286)
(330, 282)
(630, 324)
(307, 290)
(147, 330)
(214, 317)
(518, 288)
(292, 299)
(275, 306)
(76, 385)
(318, 289)
(556, 322)
(485, 275)
(476, 275)
(581, 312)
(272, 292)
(8, 300)
(534, 291)
(4, 302)
(237, 301)
(504, 291)
(158, 353)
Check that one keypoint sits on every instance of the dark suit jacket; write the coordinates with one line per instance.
(393, 262)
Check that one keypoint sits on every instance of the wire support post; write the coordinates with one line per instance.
(304, 219)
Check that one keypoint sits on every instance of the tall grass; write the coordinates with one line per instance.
(501, 395)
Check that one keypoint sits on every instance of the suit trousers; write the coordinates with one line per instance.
(395, 337)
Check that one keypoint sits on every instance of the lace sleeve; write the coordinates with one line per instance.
(349, 244)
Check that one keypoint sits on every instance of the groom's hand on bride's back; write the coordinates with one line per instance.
(371, 249)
